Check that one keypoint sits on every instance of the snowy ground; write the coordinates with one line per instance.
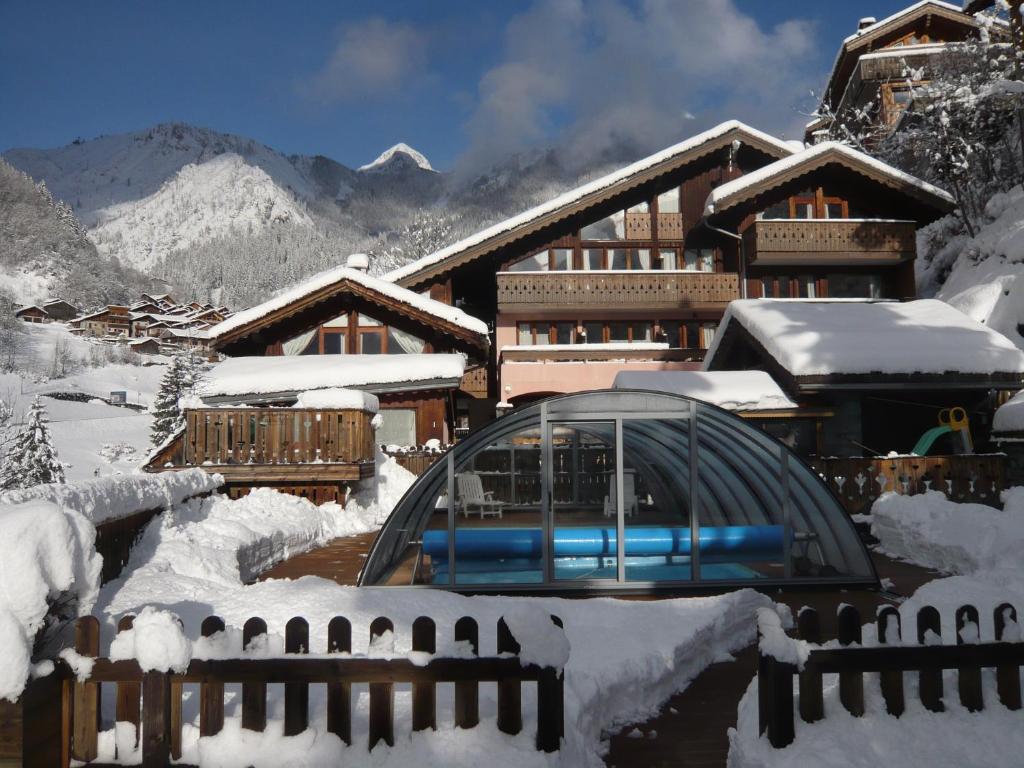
(92, 438)
(983, 548)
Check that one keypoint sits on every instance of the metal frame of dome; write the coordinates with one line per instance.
(733, 480)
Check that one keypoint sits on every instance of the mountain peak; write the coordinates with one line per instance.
(401, 152)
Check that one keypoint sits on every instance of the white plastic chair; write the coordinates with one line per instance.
(630, 503)
(473, 498)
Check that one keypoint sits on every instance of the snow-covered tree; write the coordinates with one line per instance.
(178, 381)
(31, 458)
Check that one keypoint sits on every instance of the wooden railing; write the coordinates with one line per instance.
(584, 352)
(65, 723)
(278, 436)
(641, 288)
(474, 381)
(416, 462)
(858, 482)
(889, 659)
(820, 241)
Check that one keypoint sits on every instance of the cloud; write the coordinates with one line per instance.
(609, 74)
(372, 58)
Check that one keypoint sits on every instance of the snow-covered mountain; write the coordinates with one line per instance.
(399, 156)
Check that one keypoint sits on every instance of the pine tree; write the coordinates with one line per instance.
(31, 458)
(178, 381)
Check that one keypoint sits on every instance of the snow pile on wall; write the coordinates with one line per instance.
(333, 397)
(1009, 417)
(109, 498)
(819, 337)
(732, 390)
(238, 376)
(371, 501)
(156, 640)
(935, 532)
(44, 551)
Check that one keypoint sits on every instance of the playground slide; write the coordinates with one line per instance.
(926, 440)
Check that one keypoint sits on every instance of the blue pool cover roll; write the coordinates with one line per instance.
(748, 541)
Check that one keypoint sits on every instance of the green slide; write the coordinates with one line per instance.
(924, 444)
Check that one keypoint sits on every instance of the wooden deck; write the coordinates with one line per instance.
(339, 561)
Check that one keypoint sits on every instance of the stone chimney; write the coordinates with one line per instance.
(867, 21)
(358, 261)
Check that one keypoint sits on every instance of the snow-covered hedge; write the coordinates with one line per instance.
(935, 532)
(108, 498)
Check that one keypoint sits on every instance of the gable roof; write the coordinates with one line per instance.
(339, 280)
(825, 343)
(28, 307)
(588, 194)
(734, 192)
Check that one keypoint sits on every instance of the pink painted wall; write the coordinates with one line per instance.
(563, 377)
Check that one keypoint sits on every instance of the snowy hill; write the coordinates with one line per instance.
(222, 195)
(398, 156)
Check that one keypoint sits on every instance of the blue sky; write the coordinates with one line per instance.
(463, 82)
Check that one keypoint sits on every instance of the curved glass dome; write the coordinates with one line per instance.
(608, 490)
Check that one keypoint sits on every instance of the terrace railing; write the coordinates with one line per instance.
(640, 288)
(894, 655)
(62, 716)
(858, 481)
(822, 241)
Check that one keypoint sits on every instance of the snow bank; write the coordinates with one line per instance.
(109, 498)
(239, 376)
(45, 550)
(326, 279)
(732, 390)
(821, 337)
(930, 530)
(371, 501)
(333, 397)
(1009, 417)
(156, 641)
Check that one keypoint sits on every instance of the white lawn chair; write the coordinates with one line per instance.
(474, 499)
(630, 503)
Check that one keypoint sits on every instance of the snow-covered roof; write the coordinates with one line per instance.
(283, 375)
(27, 307)
(834, 337)
(1009, 417)
(732, 390)
(903, 51)
(724, 196)
(186, 333)
(336, 397)
(910, 9)
(442, 311)
(581, 192)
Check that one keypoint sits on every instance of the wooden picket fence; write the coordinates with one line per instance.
(65, 727)
(889, 660)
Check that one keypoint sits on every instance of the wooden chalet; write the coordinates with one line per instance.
(341, 330)
(112, 320)
(61, 310)
(633, 272)
(32, 314)
(870, 74)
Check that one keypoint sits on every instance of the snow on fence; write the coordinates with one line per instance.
(782, 657)
(63, 709)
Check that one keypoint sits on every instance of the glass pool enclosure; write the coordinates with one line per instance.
(609, 490)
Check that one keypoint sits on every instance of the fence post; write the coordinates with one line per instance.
(851, 684)
(382, 695)
(775, 683)
(129, 695)
(339, 695)
(86, 708)
(254, 695)
(510, 709)
(46, 721)
(930, 680)
(467, 692)
(890, 631)
(296, 695)
(156, 720)
(812, 707)
(424, 695)
(969, 677)
(211, 695)
(550, 706)
(1007, 675)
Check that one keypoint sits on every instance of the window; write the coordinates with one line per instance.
(593, 332)
(369, 322)
(334, 343)
(564, 332)
(609, 228)
(536, 263)
(707, 334)
(768, 286)
(371, 343)
(802, 208)
(848, 286)
(670, 333)
(640, 258)
(524, 334)
(641, 331)
(643, 207)
(397, 427)
(668, 202)
(668, 258)
(617, 258)
(593, 258)
(401, 343)
(808, 287)
(561, 259)
(692, 332)
(699, 260)
(785, 291)
(618, 332)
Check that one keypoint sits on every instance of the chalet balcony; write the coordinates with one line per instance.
(294, 447)
(869, 242)
(556, 353)
(648, 289)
